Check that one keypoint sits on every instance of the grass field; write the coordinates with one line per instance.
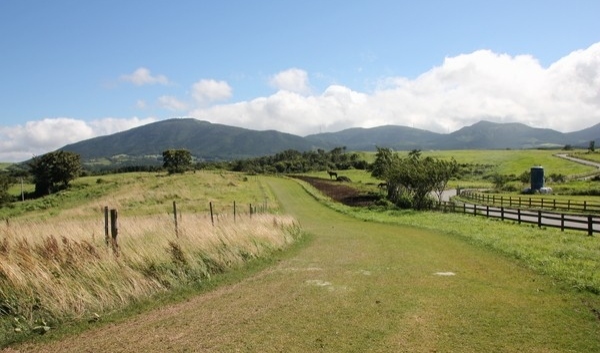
(590, 156)
(55, 266)
(146, 193)
(508, 162)
(370, 286)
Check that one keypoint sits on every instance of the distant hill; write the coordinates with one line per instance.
(208, 141)
(582, 138)
(203, 139)
(390, 136)
(489, 135)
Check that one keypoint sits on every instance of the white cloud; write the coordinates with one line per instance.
(21, 142)
(293, 80)
(172, 103)
(142, 76)
(461, 91)
(207, 91)
(141, 104)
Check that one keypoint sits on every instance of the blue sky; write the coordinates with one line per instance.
(72, 70)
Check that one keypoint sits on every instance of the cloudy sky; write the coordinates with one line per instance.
(72, 70)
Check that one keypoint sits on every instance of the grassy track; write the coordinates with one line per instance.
(358, 287)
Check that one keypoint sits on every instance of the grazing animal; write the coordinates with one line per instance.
(342, 178)
(382, 185)
(332, 174)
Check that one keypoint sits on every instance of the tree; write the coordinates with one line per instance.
(383, 161)
(442, 171)
(177, 161)
(5, 183)
(411, 180)
(54, 171)
(592, 146)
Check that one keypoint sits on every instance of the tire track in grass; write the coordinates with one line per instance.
(362, 287)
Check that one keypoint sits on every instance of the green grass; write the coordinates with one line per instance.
(480, 313)
(146, 193)
(571, 257)
(590, 156)
(514, 162)
(366, 286)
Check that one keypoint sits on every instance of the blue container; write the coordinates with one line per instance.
(537, 178)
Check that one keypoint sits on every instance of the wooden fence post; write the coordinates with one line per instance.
(562, 222)
(234, 211)
(519, 215)
(106, 229)
(212, 219)
(114, 230)
(590, 226)
(502, 213)
(540, 218)
(175, 217)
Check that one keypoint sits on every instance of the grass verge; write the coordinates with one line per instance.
(567, 256)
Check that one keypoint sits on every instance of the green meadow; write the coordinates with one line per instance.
(302, 274)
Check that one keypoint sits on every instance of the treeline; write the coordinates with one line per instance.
(55, 170)
(292, 161)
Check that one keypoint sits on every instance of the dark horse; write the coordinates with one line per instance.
(332, 174)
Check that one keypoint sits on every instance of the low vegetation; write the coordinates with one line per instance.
(56, 266)
(570, 257)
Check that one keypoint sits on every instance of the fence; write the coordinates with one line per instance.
(532, 202)
(541, 218)
(111, 224)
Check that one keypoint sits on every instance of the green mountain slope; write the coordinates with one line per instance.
(203, 139)
(208, 141)
(390, 136)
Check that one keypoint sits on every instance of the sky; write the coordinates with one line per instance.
(71, 70)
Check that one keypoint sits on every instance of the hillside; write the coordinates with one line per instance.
(489, 135)
(203, 139)
(391, 136)
(208, 141)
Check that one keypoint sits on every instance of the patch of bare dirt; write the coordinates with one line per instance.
(341, 191)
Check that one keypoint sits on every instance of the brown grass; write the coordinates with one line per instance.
(56, 271)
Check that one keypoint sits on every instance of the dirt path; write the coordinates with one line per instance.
(361, 287)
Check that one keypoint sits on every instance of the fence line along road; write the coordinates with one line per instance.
(588, 223)
(532, 202)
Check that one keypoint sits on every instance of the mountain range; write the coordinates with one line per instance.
(209, 141)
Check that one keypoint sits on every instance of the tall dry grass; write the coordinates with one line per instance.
(63, 270)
